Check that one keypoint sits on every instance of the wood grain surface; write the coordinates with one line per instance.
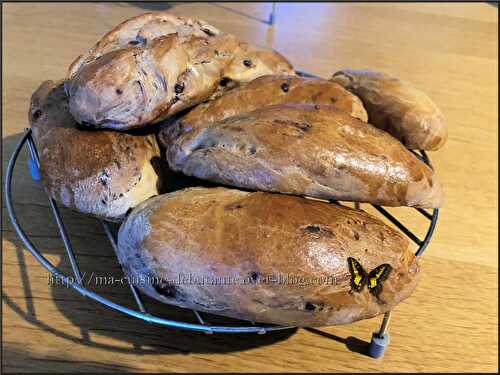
(449, 324)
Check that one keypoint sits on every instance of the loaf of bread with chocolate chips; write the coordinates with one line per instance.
(397, 107)
(271, 90)
(265, 257)
(155, 65)
(102, 173)
(250, 62)
(303, 149)
(131, 87)
(141, 31)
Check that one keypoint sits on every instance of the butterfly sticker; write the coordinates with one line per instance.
(374, 279)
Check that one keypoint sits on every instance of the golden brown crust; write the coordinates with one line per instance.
(141, 31)
(271, 242)
(272, 90)
(103, 173)
(173, 64)
(135, 86)
(311, 150)
(250, 62)
(397, 107)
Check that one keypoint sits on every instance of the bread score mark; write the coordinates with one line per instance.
(373, 280)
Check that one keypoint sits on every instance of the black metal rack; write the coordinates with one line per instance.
(380, 339)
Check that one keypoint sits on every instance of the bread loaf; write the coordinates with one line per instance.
(102, 173)
(250, 62)
(131, 87)
(302, 149)
(397, 107)
(156, 65)
(272, 90)
(141, 31)
(264, 257)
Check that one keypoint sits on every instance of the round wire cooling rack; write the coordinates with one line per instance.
(380, 338)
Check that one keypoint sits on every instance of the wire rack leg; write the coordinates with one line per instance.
(66, 241)
(380, 339)
(202, 321)
(133, 289)
(57, 217)
(385, 323)
(272, 15)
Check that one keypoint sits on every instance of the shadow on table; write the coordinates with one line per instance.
(153, 5)
(95, 254)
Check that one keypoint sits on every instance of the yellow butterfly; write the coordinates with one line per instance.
(374, 279)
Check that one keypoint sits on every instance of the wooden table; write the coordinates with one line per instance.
(450, 322)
